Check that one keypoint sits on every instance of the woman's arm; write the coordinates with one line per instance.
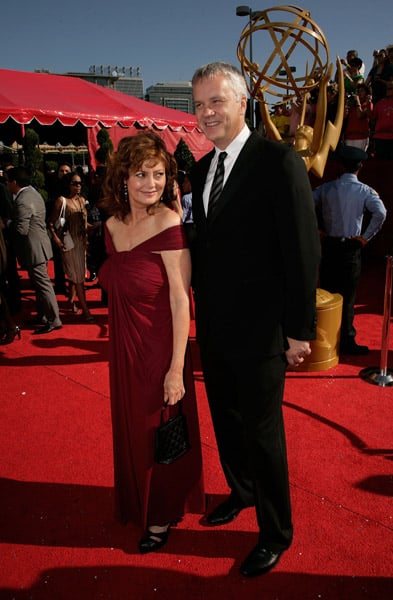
(178, 268)
(364, 111)
(52, 220)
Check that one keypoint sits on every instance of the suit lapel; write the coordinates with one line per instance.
(237, 176)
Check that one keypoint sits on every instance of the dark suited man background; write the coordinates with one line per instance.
(33, 246)
(11, 280)
(255, 267)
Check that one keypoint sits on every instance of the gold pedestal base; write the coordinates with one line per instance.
(325, 349)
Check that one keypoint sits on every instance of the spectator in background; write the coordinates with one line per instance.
(74, 260)
(55, 189)
(332, 99)
(295, 112)
(8, 328)
(95, 244)
(12, 289)
(186, 196)
(33, 246)
(389, 50)
(53, 185)
(358, 112)
(379, 75)
(341, 205)
(346, 62)
(281, 120)
(352, 76)
(383, 124)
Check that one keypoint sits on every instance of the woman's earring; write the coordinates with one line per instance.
(125, 193)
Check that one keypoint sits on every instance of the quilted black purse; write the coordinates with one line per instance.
(171, 438)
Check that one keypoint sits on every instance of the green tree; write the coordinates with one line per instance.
(184, 157)
(105, 146)
(34, 160)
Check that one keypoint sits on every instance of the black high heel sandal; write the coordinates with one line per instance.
(10, 335)
(153, 541)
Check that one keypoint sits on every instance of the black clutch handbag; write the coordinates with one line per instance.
(171, 438)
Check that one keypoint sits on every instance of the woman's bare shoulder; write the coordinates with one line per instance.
(111, 223)
(166, 217)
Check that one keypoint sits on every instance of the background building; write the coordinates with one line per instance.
(127, 80)
(176, 95)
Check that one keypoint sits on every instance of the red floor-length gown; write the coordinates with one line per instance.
(140, 333)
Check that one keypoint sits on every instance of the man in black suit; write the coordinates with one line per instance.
(255, 266)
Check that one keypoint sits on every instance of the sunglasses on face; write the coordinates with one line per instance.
(76, 183)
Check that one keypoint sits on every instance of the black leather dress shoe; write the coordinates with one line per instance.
(259, 561)
(224, 513)
(46, 329)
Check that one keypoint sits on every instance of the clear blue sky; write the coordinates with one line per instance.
(167, 39)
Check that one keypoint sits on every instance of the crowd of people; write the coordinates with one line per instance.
(246, 239)
(33, 232)
(368, 115)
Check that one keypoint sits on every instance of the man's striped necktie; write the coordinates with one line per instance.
(217, 183)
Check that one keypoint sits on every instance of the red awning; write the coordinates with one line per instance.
(26, 96)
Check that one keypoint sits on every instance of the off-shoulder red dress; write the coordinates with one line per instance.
(140, 338)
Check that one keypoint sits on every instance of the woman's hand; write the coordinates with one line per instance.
(173, 387)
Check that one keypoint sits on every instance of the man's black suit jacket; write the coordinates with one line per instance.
(255, 262)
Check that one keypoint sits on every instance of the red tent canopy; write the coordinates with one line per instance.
(49, 98)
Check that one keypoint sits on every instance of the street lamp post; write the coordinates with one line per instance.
(244, 11)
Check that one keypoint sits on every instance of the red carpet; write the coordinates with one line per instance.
(59, 539)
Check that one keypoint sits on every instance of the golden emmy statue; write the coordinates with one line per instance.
(293, 40)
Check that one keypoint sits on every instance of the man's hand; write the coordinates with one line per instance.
(297, 351)
(360, 239)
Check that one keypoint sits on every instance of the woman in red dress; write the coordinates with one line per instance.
(147, 278)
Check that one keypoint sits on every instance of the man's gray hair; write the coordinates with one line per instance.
(228, 71)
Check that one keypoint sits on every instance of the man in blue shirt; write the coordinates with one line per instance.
(341, 205)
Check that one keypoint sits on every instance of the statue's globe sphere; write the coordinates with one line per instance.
(283, 52)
